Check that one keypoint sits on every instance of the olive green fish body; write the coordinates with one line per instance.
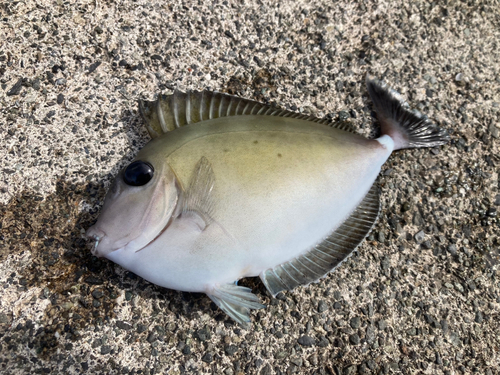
(230, 188)
(263, 166)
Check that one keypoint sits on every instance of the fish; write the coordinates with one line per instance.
(230, 188)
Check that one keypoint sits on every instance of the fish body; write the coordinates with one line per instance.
(230, 188)
(311, 171)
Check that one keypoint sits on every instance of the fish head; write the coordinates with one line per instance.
(137, 207)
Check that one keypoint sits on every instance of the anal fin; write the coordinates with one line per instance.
(236, 301)
(328, 254)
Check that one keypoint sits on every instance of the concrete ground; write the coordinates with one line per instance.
(421, 296)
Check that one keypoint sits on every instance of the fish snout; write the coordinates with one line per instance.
(97, 235)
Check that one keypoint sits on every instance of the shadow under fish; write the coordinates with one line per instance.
(231, 188)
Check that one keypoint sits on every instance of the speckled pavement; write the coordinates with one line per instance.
(421, 296)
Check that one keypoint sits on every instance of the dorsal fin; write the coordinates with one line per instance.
(330, 253)
(169, 112)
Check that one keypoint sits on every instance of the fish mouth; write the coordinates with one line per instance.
(96, 244)
(97, 235)
(96, 240)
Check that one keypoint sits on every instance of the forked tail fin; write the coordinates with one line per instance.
(407, 128)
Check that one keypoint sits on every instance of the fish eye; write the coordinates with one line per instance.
(138, 173)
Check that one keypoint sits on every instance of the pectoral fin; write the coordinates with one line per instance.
(198, 199)
(236, 301)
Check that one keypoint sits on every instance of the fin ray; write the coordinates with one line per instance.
(199, 197)
(328, 254)
(236, 301)
(169, 112)
(407, 128)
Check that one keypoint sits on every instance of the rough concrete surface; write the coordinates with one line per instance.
(421, 296)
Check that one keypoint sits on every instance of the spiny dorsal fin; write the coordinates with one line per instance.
(169, 112)
(330, 253)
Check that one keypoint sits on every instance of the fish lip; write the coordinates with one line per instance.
(97, 235)
(96, 244)
(96, 239)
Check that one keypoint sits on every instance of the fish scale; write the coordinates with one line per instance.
(232, 188)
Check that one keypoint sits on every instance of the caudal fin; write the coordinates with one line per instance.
(407, 128)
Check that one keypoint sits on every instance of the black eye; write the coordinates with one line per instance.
(138, 173)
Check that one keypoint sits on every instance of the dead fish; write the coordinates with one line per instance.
(230, 188)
